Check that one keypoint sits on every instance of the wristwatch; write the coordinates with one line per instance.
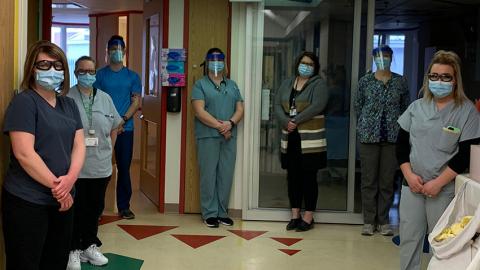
(125, 118)
(231, 122)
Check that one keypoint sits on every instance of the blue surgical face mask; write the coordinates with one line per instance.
(383, 63)
(116, 56)
(440, 89)
(305, 70)
(49, 79)
(86, 80)
(216, 66)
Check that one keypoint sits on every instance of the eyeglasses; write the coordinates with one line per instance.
(445, 77)
(85, 71)
(46, 65)
(308, 63)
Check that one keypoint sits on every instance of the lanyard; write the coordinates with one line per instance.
(88, 108)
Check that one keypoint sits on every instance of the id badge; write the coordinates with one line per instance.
(91, 142)
(293, 111)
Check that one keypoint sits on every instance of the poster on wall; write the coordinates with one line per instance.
(173, 67)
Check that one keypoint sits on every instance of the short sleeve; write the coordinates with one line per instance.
(137, 84)
(21, 114)
(76, 114)
(197, 92)
(117, 119)
(471, 130)
(238, 95)
(405, 120)
(98, 82)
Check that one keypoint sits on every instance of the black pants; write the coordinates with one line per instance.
(89, 205)
(36, 236)
(302, 181)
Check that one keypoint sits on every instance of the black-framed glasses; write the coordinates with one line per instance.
(85, 71)
(444, 77)
(46, 65)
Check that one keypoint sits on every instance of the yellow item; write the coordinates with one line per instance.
(454, 229)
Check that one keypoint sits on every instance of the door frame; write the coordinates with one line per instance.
(249, 158)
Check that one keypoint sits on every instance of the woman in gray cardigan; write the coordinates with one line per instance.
(299, 106)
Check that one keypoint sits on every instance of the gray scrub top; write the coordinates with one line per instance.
(105, 118)
(432, 144)
(220, 102)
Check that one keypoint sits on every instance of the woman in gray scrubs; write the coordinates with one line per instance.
(218, 107)
(100, 120)
(433, 147)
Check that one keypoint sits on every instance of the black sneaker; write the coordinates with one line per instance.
(225, 221)
(304, 226)
(127, 214)
(211, 222)
(293, 224)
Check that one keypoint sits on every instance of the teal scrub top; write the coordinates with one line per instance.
(433, 144)
(220, 102)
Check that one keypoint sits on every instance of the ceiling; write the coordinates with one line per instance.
(404, 14)
(80, 15)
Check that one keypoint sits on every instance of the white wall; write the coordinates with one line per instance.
(174, 120)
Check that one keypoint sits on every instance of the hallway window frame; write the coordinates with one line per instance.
(74, 39)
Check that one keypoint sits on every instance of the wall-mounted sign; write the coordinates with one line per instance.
(173, 67)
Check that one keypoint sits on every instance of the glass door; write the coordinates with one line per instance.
(331, 29)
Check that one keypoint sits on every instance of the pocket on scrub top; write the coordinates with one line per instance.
(448, 141)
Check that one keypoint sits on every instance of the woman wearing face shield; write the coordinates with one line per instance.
(218, 107)
(434, 141)
(100, 121)
(300, 104)
(48, 151)
(382, 97)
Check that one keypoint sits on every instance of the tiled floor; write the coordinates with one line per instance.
(186, 243)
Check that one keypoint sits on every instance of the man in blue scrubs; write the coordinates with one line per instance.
(124, 86)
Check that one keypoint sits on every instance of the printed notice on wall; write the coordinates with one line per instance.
(266, 104)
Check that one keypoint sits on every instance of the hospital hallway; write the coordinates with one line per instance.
(172, 241)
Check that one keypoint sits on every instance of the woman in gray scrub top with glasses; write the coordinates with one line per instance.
(433, 147)
(100, 120)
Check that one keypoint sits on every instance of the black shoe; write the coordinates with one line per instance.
(293, 224)
(225, 221)
(304, 226)
(211, 222)
(126, 214)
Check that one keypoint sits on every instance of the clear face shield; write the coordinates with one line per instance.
(215, 62)
(115, 50)
(383, 60)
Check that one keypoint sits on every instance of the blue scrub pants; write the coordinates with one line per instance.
(123, 156)
(216, 160)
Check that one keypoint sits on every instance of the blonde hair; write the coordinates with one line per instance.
(52, 50)
(446, 58)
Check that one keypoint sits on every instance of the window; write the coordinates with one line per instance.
(74, 41)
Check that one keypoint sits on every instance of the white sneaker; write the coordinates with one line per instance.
(74, 260)
(93, 255)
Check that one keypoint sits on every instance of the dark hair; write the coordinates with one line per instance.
(116, 38)
(313, 57)
(205, 62)
(382, 48)
(52, 50)
(83, 58)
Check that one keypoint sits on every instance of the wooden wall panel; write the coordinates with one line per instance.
(7, 13)
(208, 27)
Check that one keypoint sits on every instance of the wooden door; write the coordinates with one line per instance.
(208, 25)
(150, 149)
(7, 13)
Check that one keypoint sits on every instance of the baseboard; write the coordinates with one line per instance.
(172, 208)
(235, 213)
